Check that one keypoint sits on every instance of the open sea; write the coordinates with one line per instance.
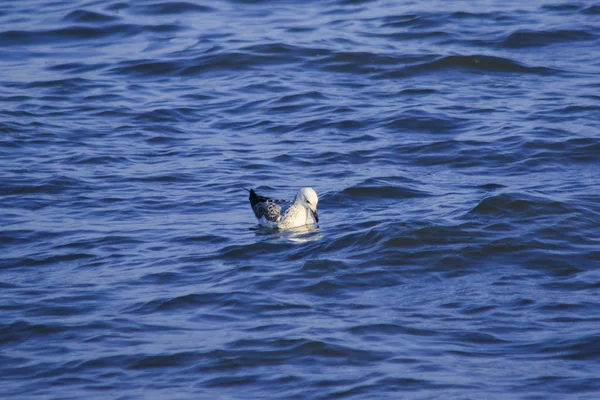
(455, 148)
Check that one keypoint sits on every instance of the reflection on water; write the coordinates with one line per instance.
(300, 234)
(307, 233)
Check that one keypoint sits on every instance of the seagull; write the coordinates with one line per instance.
(285, 214)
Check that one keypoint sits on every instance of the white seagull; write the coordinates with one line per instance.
(285, 214)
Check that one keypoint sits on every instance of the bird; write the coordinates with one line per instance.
(285, 214)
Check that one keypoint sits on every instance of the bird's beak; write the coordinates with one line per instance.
(314, 212)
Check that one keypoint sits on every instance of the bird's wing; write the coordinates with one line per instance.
(272, 210)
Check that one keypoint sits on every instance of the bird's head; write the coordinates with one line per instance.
(308, 197)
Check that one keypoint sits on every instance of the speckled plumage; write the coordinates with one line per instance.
(284, 214)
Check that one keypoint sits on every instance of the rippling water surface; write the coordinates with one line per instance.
(455, 147)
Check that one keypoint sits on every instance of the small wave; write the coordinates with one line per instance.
(577, 150)
(175, 303)
(321, 266)
(282, 48)
(72, 84)
(302, 349)
(523, 38)
(477, 338)
(84, 16)
(478, 62)
(301, 97)
(514, 204)
(205, 239)
(383, 329)
(418, 91)
(586, 347)
(180, 359)
(225, 304)
(361, 138)
(95, 159)
(492, 186)
(416, 21)
(53, 185)
(368, 190)
(67, 34)
(495, 16)
(170, 7)
(147, 68)
(52, 259)
(76, 67)
(212, 62)
(20, 331)
(425, 122)
(568, 7)
(248, 251)
(592, 10)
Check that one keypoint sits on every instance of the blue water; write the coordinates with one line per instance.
(455, 147)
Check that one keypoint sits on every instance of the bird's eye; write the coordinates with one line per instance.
(308, 201)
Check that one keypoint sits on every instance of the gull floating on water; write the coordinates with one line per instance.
(285, 214)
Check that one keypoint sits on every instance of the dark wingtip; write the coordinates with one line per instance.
(253, 197)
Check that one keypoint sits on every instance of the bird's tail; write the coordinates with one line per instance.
(253, 197)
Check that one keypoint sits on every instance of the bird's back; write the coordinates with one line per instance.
(268, 209)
